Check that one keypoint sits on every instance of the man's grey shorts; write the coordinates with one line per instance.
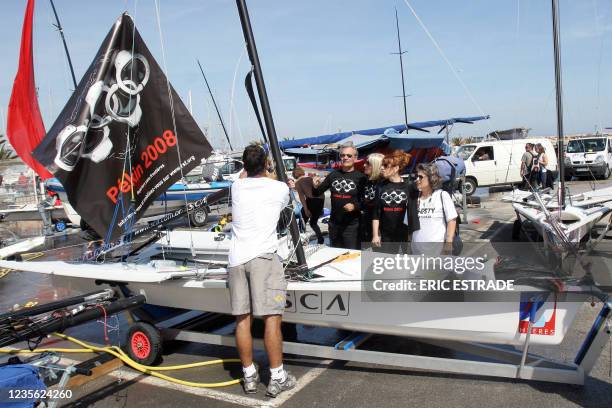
(258, 286)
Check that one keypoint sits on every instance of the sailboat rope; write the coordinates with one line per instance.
(232, 107)
(178, 149)
(445, 58)
(127, 160)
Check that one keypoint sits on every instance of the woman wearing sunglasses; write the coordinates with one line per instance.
(436, 212)
(372, 168)
(395, 201)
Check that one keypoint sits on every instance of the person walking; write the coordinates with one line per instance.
(256, 280)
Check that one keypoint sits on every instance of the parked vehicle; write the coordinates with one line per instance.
(498, 162)
(591, 157)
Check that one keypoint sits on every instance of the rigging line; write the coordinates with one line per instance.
(518, 17)
(601, 32)
(127, 159)
(178, 149)
(516, 39)
(232, 94)
(444, 57)
(128, 154)
(59, 52)
(130, 224)
(209, 133)
(61, 31)
(129, 150)
(215, 103)
(238, 124)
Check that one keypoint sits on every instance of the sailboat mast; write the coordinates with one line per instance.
(559, 89)
(249, 38)
(216, 107)
(400, 52)
(61, 31)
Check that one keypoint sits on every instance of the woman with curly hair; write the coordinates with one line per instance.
(436, 212)
(395, 201)
(372, 168)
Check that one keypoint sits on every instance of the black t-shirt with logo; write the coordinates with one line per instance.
(369, 197)
(345, 187)
(390, 209)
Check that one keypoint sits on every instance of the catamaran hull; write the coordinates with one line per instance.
(578, 217)
(577, 223)
(342, 307)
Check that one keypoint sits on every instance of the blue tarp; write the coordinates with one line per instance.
(21, 377)
(413, 141)
(333, 138)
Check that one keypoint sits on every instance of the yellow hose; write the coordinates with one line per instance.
(120, 354)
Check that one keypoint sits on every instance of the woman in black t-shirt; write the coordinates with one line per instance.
(372, 168)
(391, 206)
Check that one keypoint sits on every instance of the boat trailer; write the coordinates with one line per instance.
(502, 362)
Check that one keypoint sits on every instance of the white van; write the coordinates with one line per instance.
(498, 162)
(590, 157)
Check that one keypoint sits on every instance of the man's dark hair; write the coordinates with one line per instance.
(254, 160)
(530, 145)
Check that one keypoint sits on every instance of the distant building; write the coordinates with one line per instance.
(509, 134)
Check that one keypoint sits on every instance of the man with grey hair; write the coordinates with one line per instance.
(346, 186)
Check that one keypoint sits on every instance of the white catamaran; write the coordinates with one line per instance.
(328, 290)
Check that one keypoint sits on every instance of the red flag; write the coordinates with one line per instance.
(25, 128)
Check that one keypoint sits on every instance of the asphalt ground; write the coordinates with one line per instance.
(328, 382)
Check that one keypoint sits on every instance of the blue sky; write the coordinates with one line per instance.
(328, 64)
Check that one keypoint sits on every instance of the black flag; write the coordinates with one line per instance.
(124, 136)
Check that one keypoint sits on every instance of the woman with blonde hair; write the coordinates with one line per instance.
(544, 175)
(436, 212)
(372, 168)
(395, 201)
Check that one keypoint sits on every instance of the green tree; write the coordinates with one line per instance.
(6, 151)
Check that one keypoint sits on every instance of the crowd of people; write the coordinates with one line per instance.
(378, 207)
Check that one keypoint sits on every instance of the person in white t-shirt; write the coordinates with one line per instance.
(437, 214)
(256, 276)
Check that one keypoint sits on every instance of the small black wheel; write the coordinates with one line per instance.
(469, 186)
(144, 344)
(199, 217)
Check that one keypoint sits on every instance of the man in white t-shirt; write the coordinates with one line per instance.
(256, 276)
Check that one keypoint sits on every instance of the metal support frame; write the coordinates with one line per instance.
(50, 370)
(508, 363)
